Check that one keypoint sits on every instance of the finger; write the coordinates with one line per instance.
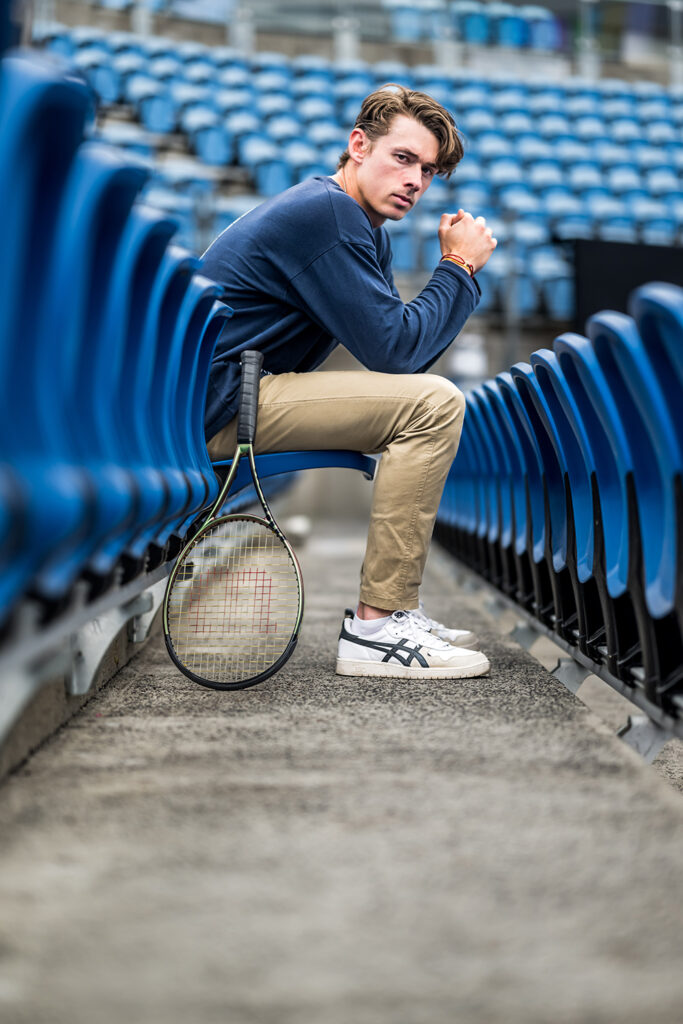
(480, 220)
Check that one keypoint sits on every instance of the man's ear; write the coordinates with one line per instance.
(359, 145)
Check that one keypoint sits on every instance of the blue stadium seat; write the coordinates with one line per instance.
(42, 118)
(611, 457)
(96, 202)
(575, 457)
(655, 558)
(532, 481)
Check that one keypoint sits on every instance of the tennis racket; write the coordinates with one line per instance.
(234, 600)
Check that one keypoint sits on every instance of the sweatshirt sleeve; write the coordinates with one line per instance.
(345, 291)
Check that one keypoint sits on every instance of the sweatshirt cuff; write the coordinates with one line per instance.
(452, 268)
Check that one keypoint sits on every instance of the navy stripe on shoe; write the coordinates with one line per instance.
(397, 650)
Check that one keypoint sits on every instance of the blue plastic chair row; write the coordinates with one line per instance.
(567, 490)
(107, 332)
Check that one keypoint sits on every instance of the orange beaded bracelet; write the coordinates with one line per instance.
(454, 258)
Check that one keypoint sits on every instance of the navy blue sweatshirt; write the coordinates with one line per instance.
(304, 272)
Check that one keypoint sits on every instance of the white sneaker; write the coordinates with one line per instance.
(402, 649)
(457, 637)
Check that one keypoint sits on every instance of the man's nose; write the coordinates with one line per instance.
(413, 178)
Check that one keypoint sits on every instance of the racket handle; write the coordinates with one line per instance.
(251, 361)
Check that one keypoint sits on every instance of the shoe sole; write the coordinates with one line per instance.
(346, 667)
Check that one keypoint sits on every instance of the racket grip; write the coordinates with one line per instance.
(251, 361)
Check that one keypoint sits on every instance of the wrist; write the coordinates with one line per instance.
(454, 257)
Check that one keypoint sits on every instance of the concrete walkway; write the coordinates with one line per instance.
(320, 850)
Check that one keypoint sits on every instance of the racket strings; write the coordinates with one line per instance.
(235, 602)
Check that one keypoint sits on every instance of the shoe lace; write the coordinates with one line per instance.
(411, 623)
(419, 615)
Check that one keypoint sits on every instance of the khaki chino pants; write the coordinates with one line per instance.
(413, 420)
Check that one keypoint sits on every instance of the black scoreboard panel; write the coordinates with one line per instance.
(606, 272)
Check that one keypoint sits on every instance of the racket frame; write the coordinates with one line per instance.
(213, 519)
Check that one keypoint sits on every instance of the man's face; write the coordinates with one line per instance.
(395, 170)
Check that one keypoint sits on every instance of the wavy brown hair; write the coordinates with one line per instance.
(379, 109)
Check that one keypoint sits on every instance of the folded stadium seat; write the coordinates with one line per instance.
(352, 90)
(585, 175)
(96, 202)
(475, 198)
(648, 157)
(354, 70)
(622, 178)
(530, 481)
(154, 378)
(662, 181)
(601, 205)
(186, 94)
(472, 21)
(234, 77)
(617, 229)
(583, 511)
(574, 225)
(274, 104)
(529, 235)
(233, 101)
(468, 172)
(243, 126)
(129, 136)
(553, 276)
(494, 472)
(268, 82)
(94, 63)
(127, 66)
(405, 20)
(190, 51)
(118, 355)
(324, 134)
(312, 64)
(581, 106)
(531, 148)
(626, 130)
(508, 25)
(42, 117)
(491, 145)
(404, 246)
(515, 289)
(315, 108)
(545, 30)
(271, 171)
(546, 101)
(268, 61)
(541, 174)
(198, 322)
(488, 472)
(153, 104)
(199, 72)
(475, 121)
(228, 208)
(656, 558)
(207, 136)
(618, 108)
(661, 133)
(509, 99)
(611, 88)
(554, 127)
(655, 222)
(591, 129)
(284, 128)
(570, 151)
(182, 208)
(518, 201)
(478, 472)
(560, 547)
(303, 160)
(165, 68)
(608, 452)
(516, 123)
(513, 502)
(658, 312)
(316, 86)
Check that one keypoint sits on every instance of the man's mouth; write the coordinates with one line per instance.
(403, 200)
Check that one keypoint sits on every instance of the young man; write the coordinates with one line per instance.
(311, 269)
